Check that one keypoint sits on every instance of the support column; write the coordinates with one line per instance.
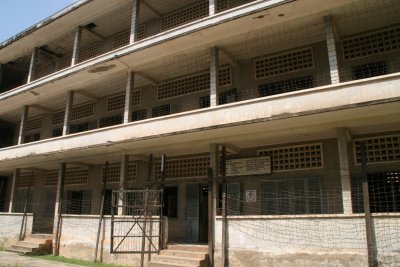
(342, 136)
(214, 164)
(134, 20)
(128, 97)
(122, 182)
(24, 117)
(77, 45)
(213, 76)
(68, 111)
(331, 46)
(212, 6)
(57, 208)
(32, 66)
(14, 188)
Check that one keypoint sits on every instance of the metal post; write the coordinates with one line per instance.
(23, 223)
(103, 194)
(134, 20)
(214, 76)
(24, 117)
(59, 200)
(149, 171)
(128, 97)
(77, 44)
(224, 211)
(161, 233)
(14, 188)
(32, 66)
(68, 112)
(367, 208)
(145, 209)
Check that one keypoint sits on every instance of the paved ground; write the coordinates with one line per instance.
(10, 259)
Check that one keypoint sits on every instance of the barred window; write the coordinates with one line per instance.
(308, 156)
(73, 176)
(90, 51)
(33, 124)
(58, 117)
(82, 111)
(285, 86)
(139, 115)
(193, 167)
(32, 138)
(26, 179)
(114, 172)
(111, 120)
(225, 76)
(378, 149)
(184, 15)
(184, 86)
(284, 63)
(369, 70)
(376, 42)
(117, 102)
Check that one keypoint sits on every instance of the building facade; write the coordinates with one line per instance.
(267, 130)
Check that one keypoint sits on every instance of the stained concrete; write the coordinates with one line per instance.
(13, 259)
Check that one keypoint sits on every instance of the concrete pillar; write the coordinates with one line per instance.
(213, 76)
(122, 182)
(134, 20)
(57, 209)
(77, 45)
(342, 136)
(32, 66)
(128, 97)
(331, 46)
(212, 5)
(214, 164)
(14, 189)
(24, 117)
(68, 111)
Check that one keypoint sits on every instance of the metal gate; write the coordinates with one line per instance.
(138, 227)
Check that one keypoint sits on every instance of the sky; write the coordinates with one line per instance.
(18, 15)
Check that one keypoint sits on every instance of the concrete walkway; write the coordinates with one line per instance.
(10, 259)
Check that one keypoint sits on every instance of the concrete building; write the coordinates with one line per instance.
(263, 133)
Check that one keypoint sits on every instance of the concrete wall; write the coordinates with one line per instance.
(78, 239)
(10, 226)
(307, 241)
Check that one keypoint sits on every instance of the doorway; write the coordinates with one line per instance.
(3, 190)
(196, 213)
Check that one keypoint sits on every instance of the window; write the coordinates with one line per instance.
(234, 203)
(378, 149)
(110, 121)
(292, 196)
(78, 202)
(369, 70)
(285, 86)
(204, 101)
(139, 115)
(83, 127)
(162, 110)
(108, 203)
(170, 208)
(227, 97)
(383, 189)
(57, 132)
(32, 137)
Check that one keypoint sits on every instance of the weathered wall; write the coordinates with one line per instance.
(335, 240)
(10, 226)
(78, 240)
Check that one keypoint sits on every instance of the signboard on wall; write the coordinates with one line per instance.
(248, 166)
(251, 196)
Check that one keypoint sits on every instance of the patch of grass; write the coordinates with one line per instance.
(2, 249)
(75, 261)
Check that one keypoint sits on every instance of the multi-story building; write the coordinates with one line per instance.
(278, 119)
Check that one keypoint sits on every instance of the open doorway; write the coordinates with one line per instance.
(196, 213)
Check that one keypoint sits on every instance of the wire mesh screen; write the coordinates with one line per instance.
(138, 230)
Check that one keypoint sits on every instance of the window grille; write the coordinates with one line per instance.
(369, 70)
(25, 178)
(284, 63)
(204, 101)
(111, 120)
(225, 76)
(58, 117)
(378, 149)
(140, 31)
(139, 115)
(32, 137)
(292, 196)
(57, 132)
(33, 124)
(376, 42)
(83, 127)
(184, 86)
(193, 167)
(164, 110)
(114, 172)
(90, 51)
(227, 97)
(117, 102)
(308, 156)
(285, 86)
(121, 39)
(43, 70)
(65, 61)
(222, 5)
(82, 111)
(73, 176)
(184, 15)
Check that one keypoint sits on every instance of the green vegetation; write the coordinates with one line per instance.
(74, 261)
